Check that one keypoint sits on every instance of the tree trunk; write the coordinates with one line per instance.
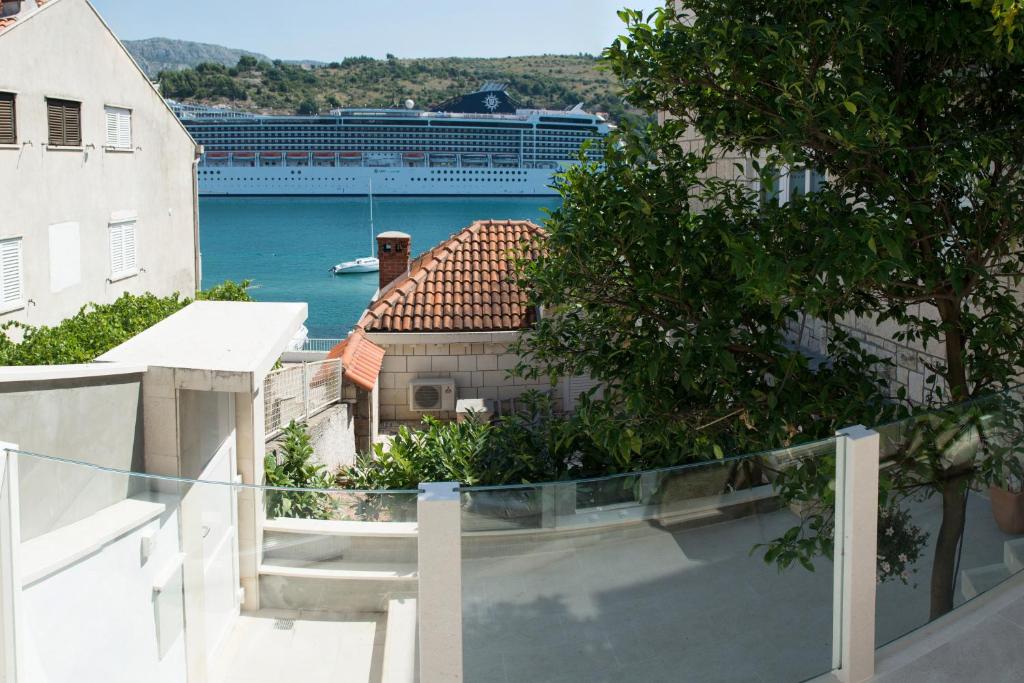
(954, 488)
(954, 493)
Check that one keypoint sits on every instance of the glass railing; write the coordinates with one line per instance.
(658, 575)
(711, 571)
(128, 577)
(951, 514)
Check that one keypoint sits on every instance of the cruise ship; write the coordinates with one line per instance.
(483, 143)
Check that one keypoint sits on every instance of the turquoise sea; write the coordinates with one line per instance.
(286, 245)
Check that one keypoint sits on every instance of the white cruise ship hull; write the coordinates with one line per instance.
(230, 180)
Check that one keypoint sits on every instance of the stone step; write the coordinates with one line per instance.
(399, 662)
(1013, 555)
(974, 582)
(339, 570)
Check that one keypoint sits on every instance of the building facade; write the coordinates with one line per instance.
(100, 172)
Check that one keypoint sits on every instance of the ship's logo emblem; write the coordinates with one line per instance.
(492, 102)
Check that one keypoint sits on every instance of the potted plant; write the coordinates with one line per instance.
(1008, 504)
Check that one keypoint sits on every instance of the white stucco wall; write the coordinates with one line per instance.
(63, 50)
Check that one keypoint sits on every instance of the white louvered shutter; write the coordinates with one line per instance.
(119, 127)
(10, 273)
(128, 246)
(116, 250)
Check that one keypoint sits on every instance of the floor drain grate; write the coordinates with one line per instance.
(284, 624)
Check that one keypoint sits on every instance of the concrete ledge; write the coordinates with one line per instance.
(48, 554)
(42, 373)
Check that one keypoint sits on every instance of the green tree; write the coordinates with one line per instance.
(246, 63)
(308, 107)
(913, 111)
(648, 293)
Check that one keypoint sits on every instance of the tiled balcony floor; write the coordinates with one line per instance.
(302, 647)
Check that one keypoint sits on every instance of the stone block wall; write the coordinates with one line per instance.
(480, 370)
(910, 360)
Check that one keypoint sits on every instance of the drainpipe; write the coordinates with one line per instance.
(198, 260)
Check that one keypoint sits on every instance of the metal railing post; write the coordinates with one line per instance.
(439, 548)
(11, 657)
(305, 391)
(855, 553)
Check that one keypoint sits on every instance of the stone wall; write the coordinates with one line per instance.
(910, 360)
(480, 370)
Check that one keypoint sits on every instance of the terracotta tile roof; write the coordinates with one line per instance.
(461, 285)
(360, 358)
(8, 21)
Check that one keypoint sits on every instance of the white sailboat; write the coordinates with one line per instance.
(364, 264)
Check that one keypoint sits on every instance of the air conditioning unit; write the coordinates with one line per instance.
(432, 394)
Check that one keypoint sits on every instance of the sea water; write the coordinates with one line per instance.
(287, 245)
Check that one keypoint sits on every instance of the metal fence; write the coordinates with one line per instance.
(319, 345)
(298, 392)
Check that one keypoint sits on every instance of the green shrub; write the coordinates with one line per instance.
(524, 447)
(294, 467)
(97, 328)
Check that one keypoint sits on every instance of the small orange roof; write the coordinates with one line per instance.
(360, 358)
(463, 284)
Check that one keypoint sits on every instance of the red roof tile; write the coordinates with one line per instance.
(360, 358)
(461, 285)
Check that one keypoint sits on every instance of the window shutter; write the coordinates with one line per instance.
(8, 128)
(116, 250)
(119, 127)
(55, 121)
(128, 242)
(124, 129)
(10, 273)
(112, 126)
(64, 119)
(72, 124)
(122, 249)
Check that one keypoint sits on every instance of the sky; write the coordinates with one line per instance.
(329, 30)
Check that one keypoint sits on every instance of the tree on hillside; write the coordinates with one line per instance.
(308, 107)
(914, 113)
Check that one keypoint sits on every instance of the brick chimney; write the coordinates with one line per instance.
(393, 252)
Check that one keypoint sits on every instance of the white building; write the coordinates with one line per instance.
(99, 171)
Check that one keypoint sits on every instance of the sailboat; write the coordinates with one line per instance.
(364, 264)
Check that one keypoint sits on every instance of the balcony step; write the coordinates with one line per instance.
(1013, 555)
(339, 570)
(974, 582)
(326, 527)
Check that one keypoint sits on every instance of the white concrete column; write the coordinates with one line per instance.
(439, 545)
(251, 445)
(856, 550)
(12, 659)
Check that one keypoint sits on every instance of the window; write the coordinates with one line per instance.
(8, 127)
(64, 119)
(122, 249)
(11, 294)
(119, 128)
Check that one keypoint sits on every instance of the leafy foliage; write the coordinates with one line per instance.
(909, 111)
(276, 87)
(97, 328)
(518, 448)
(294, 468)
(644, 288)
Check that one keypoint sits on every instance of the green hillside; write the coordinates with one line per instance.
(551, 81)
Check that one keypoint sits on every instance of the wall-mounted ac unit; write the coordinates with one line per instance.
(432, 394)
